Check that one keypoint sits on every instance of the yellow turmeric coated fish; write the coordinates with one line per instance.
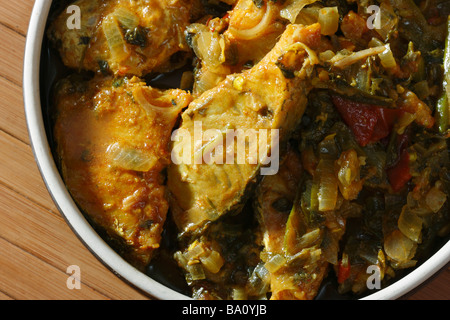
(234, 42)
(271, 95)
(122, 37)
(298, 244)
(293, 275)
(112, 139)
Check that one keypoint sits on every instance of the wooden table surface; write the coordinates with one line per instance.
(36, 245)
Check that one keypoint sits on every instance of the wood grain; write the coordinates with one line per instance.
(11, 52)
(12, 113)
(36, 245)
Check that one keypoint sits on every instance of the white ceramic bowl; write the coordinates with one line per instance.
(80, 226)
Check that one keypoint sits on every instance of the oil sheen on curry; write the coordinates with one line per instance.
(360, 108)
(112, 142)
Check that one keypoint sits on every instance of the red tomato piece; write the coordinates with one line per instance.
(369, 123)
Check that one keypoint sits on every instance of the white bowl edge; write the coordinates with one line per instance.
(415, 278)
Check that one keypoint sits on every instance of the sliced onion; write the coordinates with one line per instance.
(409, 102)
(399, 247)
(388, 20)
(194, 251)
(293, 7)
(308, 16)
(259, 280)
(295, 227)
(313, 59)
(239, 294)
(348, 168)
(258, 30)
(130, 158)
(410, 224)
(114, 38)
(328, 20)
(129, 201)
(326, 55)
(213, 262)
(196, 272)
(311, 238)
(261, 272)
(343, 62)
(435, 199)
(306, 256)
(140, 97)
(294, 239)
(126, 18)
(180, 259)
(313, 193)
(275, 263)
(328, 188)
(348, 173)
(208, 47)
(387, 58)
(208, 78)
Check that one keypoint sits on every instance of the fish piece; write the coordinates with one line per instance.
(275, 198)
(254, 28)
(270, 96)
(293, 245)
(72, 39)
(112, 143)
(123, 37)
(290, 278)
(234, 42)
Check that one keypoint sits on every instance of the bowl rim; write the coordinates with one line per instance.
(80, 226)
